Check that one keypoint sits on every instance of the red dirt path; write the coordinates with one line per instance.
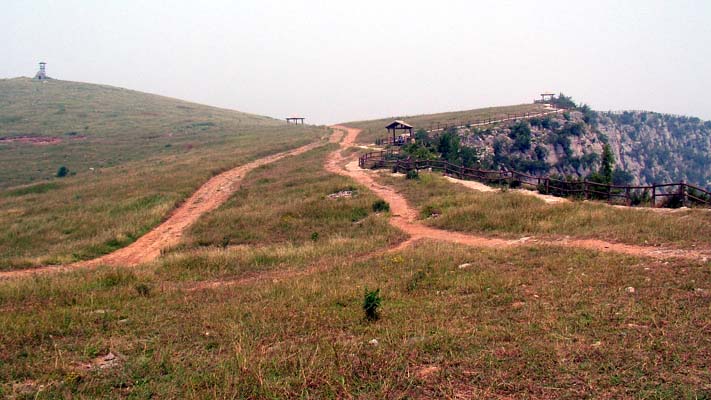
(208, 197)
(404, 217)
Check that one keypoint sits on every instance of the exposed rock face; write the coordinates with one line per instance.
(659, 147)
(651, 147)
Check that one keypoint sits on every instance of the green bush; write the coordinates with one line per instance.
(62, 172)
(412, 174)
(371, 302)
(381, 206)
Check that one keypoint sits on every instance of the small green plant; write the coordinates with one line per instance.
(143, 289)
(314, 236)
(412, 174)
(62, 172)
(371, 302)
(381, 206)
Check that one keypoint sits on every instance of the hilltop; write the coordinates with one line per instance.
(129, 158)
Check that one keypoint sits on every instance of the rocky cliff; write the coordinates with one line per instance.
(648, 147)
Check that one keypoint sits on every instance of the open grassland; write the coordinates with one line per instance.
(375, 129)
(509, 214)
(82, 216)
(526, 322)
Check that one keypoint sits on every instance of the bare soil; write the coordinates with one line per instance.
(36, 140)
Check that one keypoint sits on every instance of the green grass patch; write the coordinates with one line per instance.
(511, 214)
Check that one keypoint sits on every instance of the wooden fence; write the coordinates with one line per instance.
(657, 195)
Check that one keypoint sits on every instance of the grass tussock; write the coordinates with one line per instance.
(512, 214)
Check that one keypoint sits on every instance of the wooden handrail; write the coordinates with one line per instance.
(551, 185)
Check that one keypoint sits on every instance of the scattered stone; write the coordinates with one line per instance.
(123, 321)
(465, 265)
(109, 360)
(630, 289)
(373, 343)
(635, 326)
(341, 194)
(597, 344)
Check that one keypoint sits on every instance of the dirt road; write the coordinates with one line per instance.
(208, 197)
(404, 216)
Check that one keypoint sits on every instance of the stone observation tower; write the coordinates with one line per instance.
(42, 74)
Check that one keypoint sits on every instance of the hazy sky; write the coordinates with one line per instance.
(333, 61)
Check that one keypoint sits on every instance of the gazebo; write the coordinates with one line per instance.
(547, 97)
(295, 120)
(398, 125)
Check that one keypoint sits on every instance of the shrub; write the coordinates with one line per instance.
(62, 172)
(381, 205)
(412, 174)
(371, 302)
(314, 236)
(143, 289)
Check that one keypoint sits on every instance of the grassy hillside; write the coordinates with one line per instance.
(146, 154)
(375, 129)
(96, 126)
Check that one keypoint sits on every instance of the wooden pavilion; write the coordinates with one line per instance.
(547, 97)
(402, 126)
(295, 120)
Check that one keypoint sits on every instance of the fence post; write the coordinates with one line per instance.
(548, 184)
(609, 194)
(585, 189)
(654, 195)
(628, 197)
(682, 192)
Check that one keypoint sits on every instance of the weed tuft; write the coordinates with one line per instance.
(371, 303)
(143, 289)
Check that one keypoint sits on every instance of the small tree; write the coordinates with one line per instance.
(62, 172)
(448, 145)
(608, 163)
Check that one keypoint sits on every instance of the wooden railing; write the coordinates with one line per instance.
(664, 195)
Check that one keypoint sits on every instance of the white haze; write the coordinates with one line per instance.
(333, 61)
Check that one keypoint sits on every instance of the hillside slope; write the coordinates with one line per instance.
(132, 157)
(44, 125)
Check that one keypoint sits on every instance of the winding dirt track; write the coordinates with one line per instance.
(208, 197)
(404, 217)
